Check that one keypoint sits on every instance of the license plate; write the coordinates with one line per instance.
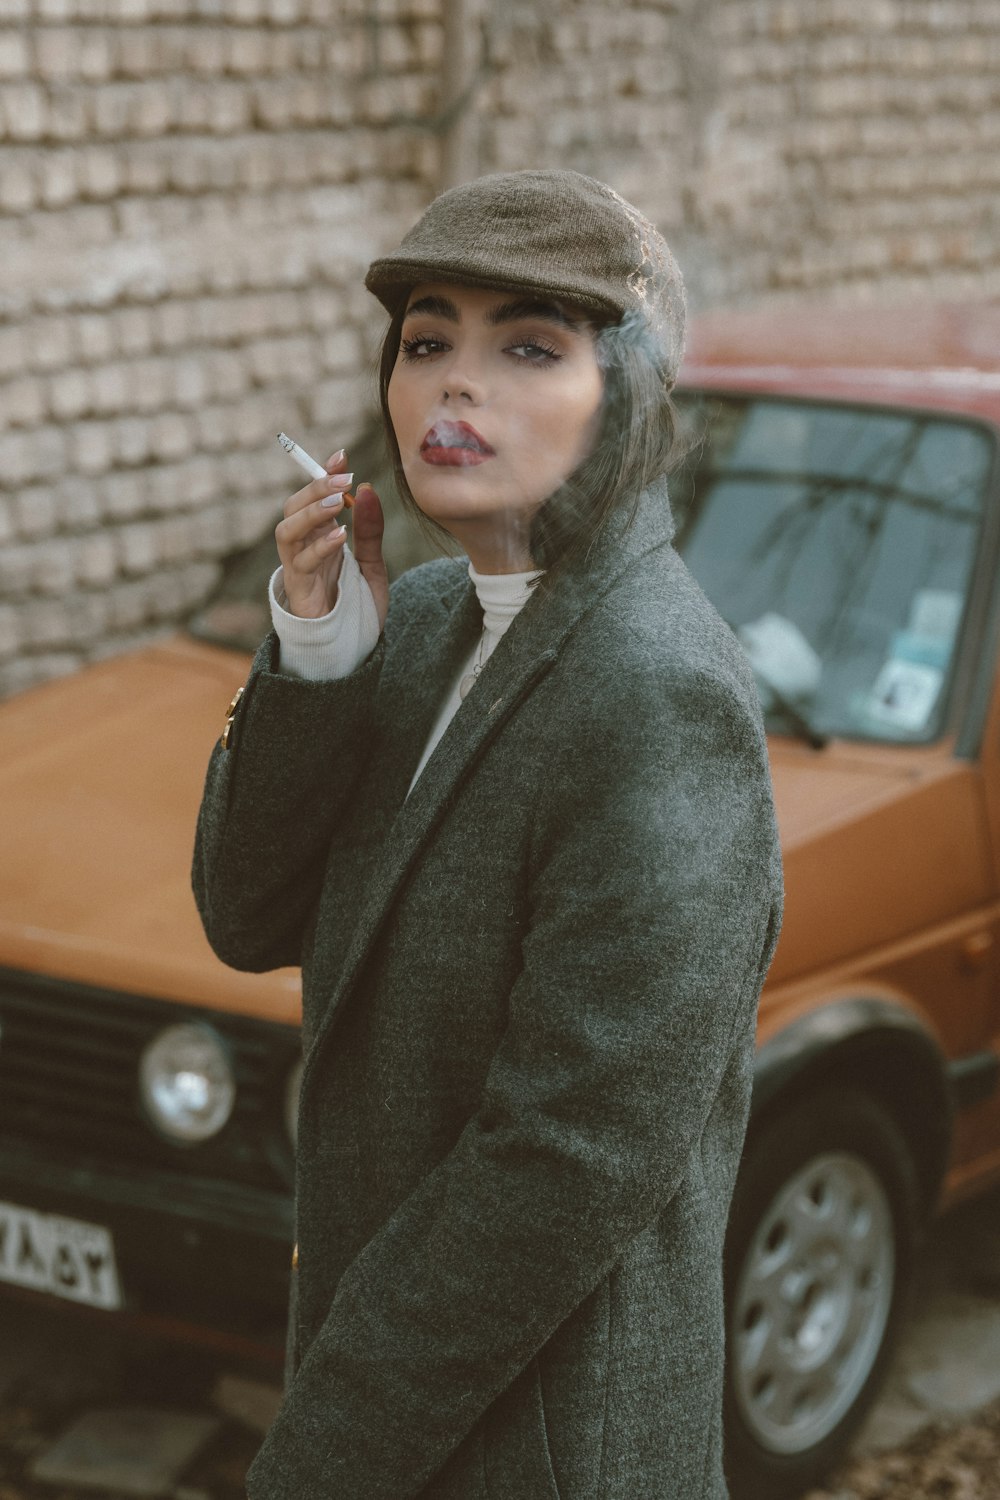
(64, 1256)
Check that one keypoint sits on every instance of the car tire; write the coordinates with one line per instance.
(818, 1263)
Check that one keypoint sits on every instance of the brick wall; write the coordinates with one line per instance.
(190, 191)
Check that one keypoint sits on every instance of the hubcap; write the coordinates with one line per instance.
(812, 1303)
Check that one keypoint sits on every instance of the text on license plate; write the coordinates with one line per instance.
(53, 1254)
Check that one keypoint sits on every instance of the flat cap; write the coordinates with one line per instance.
(550, 233)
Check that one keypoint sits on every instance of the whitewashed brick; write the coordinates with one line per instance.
(174, 540)
(93, 337)
(151, 112)
(190, 383)
(144, 168)
(138, 550)
(66, 113)
(34, 512)
(92, 450)
(251, 519)
(207, 531)
(241, 52)
(172, 324)
(128, 605)
(337, 403)
(171, 437)
(111, 107)
(15, 58)
(17, 569)
(16, 458)
(110, 387)
(214, 429)
(23, 402)
(30, 671)
(123, 495)
(50, 344)
(197, 482)
(52, 570)
(25, 112)
(341, 350)
(18, 186)
(89, 613)
(13, 348)
(251, 423)
(94, 55)
(56, 52)
(57, 179)
(10, 634)
(132, 441)
(228, 374)
(133, 330)
(99, 173)
(77, 503)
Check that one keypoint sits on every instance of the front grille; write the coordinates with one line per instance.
(69, 1058)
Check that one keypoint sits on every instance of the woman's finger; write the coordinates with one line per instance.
(369, 525)
(315, 490)
(318, 551)
(296, 530)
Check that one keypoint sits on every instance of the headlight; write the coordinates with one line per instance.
(186, 1083)
(292, 1102)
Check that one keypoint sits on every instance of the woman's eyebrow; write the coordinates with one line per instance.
(532, 307)
(435, 307)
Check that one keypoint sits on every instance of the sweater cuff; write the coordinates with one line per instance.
(335, 644)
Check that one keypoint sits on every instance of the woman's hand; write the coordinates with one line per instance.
(311, 540)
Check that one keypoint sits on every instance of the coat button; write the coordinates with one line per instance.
(230, 716)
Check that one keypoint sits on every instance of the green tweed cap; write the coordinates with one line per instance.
(551, 233)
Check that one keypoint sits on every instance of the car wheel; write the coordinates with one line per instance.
(818, 1263)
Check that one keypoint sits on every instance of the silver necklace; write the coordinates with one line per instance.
(466, 683)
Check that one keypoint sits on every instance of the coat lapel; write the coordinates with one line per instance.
(526, 652)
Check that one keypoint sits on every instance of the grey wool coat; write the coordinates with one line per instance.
(530, 993)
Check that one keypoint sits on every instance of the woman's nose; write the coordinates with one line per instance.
(462, 382)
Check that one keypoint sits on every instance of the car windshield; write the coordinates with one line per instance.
(838, 542)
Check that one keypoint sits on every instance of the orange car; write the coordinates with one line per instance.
(839, 504)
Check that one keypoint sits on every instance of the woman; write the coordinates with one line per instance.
(531, 874)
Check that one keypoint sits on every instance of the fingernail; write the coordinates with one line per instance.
(329, 501)
(340, 480)
(337, 458)
(340, 531)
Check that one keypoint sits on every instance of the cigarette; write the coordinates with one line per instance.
(307, 462)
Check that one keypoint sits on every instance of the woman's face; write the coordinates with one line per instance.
(495, 399)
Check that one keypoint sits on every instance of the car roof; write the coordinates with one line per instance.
(937, 355)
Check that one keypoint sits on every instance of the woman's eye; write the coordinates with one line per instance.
(420, 348)
(534, 352)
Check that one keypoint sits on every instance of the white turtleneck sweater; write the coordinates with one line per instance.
(335, 644)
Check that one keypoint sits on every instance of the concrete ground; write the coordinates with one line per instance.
(85, 1411)
(948, 1362)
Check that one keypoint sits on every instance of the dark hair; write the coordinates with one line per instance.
(636, 442)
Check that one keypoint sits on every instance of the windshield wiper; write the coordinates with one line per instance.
(798, 720)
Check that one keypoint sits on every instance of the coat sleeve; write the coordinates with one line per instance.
(655, 905)
(295, 754)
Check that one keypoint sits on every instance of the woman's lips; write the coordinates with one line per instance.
(454, 444)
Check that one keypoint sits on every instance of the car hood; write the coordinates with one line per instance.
(101, 777)
(100, 780)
